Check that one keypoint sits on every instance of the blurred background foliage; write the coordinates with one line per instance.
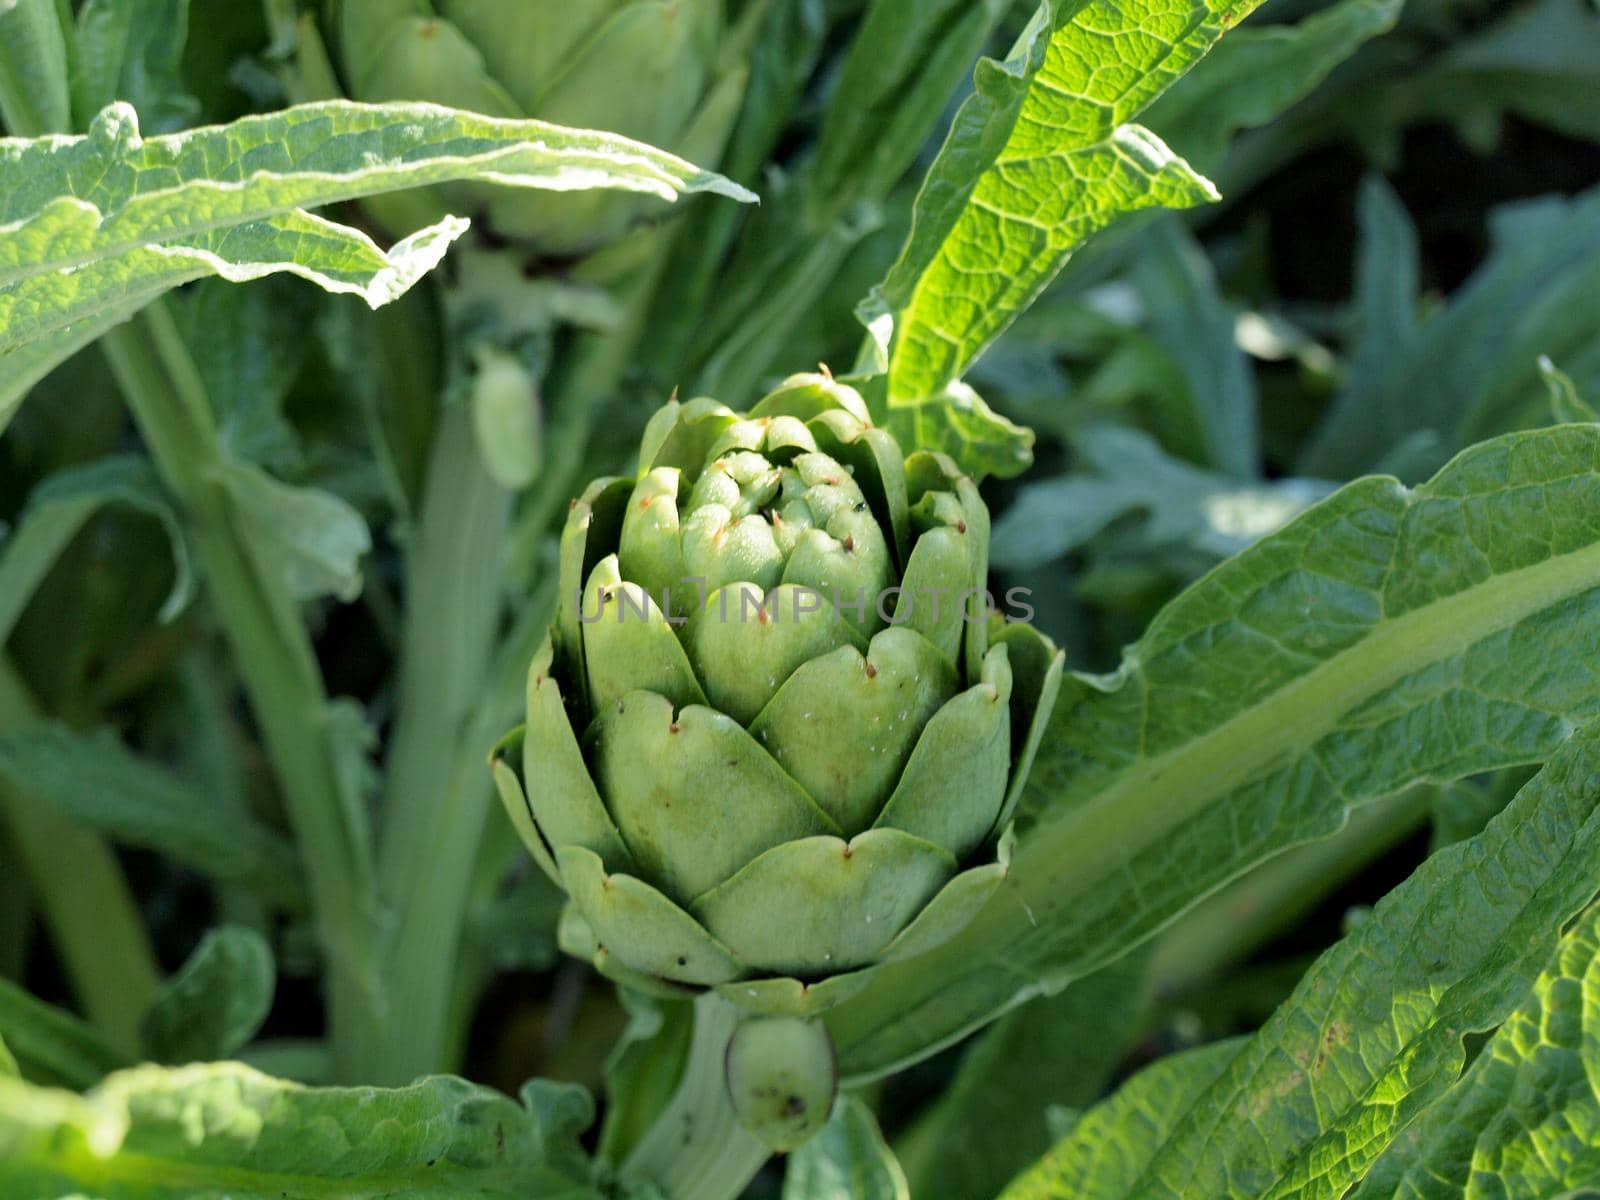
(1410, 223)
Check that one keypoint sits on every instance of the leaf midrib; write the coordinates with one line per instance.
(1148, 800)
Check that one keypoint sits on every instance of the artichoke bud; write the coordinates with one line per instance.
(769, 742)
(782, 1076)
(654, 70)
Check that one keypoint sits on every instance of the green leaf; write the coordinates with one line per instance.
(848, 1160)
(1374, 1033)
(1054, 1051)
(33, 68)
(1386, 636)
(1040, 158)
(60, 507)
(216, 1002)
(160, 1133)
(1524, 1121)
(1387, 290)
(1109, 1144)
(1473, 369)
(53, 1045)
(1536, 62)
(94, 227)
(1565, 402)
(312, 538)
(1254, 74)
(1189, 319)
(1123, 471)
(249, 344)
(8, 1063)
(132, 50)
(95, 779)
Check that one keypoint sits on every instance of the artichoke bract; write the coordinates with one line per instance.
(776, 733)
(666, 72)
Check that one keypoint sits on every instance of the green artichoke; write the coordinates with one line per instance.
(775, 735)
(666, 72)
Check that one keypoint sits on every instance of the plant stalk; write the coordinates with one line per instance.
(438, 788)
(696, 1147)
(276, 663)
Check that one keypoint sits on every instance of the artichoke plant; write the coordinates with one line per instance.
(666, 72)
(775, 735)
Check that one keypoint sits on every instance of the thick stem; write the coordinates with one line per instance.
(92, 916)
(275, 659)
(697, 1150)
(438, 787)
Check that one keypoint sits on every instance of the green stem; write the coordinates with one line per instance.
(439, 790)
(697, 1150)
(92, 916)
(275, 659)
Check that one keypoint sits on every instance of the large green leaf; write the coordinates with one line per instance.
(154, 1133)
(1375, 1032)
(92, 228)
(1386, 636)
(1039, 158)
(1524, 1121)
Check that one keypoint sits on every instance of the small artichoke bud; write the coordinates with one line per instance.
(782, 1076)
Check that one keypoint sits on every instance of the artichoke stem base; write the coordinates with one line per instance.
(697, 1148)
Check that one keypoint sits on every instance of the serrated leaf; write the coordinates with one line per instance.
(54, 1045)
(1374, 1032)
(94, 227)
(848, 1160)
(1041, 157)
(1188, 317)
(216, 1002)
(1110, 1143)
(159, 1133)
(312, 538)
(96, 780)
(60, 506)
(1473, 369)
(1524, 1120)
(1386, 636)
